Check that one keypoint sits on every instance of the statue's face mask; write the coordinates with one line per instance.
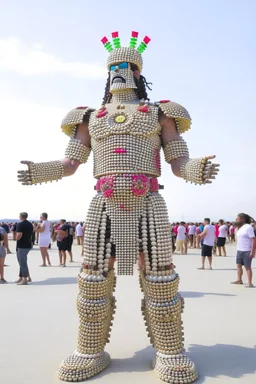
(121, 78)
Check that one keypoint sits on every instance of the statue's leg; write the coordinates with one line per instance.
(95, 302)
(162, 305)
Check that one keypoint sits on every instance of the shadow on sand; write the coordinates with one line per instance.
(57, 281)
(213, 361)
(192, 294)
(217, 360)
(141, 361)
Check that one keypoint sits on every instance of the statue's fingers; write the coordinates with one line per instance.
(210, 157)
(26, 162)
(23, 175)
(23, 172)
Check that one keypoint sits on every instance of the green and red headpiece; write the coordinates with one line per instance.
(118, 54)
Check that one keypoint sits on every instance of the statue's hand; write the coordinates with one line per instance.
(24, 176)
(210, 170)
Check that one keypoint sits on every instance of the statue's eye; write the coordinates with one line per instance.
(123, 65)
(119, 65)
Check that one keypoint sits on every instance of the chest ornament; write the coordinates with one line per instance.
(102, 112)
(120, 118)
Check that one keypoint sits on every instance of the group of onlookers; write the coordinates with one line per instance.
(211, 238)
(187, 235)
(26, 234)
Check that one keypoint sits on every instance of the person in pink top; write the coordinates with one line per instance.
(216, 238)
(232, 232)
(175, 228)
(198, 238)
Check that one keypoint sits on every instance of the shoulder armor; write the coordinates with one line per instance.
(177, 112)
(73, 118)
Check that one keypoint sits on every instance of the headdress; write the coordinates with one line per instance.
(118, 54)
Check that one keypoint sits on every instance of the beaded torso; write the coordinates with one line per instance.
(125, 139)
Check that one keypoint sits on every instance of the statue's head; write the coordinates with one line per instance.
(124, 63)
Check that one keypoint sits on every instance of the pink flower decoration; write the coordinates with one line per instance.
(119, 150)
(157, 161)
(154, 186)
(143, 109)
(140, 185)
(101, 113)
(108, 193)
(122, 206)
(106, 185)
(81, 107)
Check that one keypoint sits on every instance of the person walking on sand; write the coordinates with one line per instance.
(44, 240)
(24, 245)
(222, 236)
(246, 248)
(208, 236)
(181, 237)
(79, 233)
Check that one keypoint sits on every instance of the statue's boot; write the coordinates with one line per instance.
(96, 307)
(162, 307)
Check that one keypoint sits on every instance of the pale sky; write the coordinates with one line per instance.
(202, 55)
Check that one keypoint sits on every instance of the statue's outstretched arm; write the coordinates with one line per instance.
(197, 171)
(77, 152)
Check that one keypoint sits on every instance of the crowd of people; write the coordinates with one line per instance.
(208, 236)
(211, 239)
(44, 233)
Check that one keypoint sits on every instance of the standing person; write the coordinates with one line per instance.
(232, 232)
(7, 229)
(60, 235)
(191, 234)
(65, 236)
(223, 232)
(214, 251)
(13, 229)
(208, 236)
(33, 234)
(24, 245)
(246, 248)
(44, 238)
(71, 232)
(198, 238)
(181, 237)
(79, 233)
(2, 254)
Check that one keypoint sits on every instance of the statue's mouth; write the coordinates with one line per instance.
(118, 79)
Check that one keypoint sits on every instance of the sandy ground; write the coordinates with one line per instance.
(39, 324)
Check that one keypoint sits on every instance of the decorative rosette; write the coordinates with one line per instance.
(106, 186)
(140, 185)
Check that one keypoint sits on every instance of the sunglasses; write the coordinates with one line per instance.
(123, 65)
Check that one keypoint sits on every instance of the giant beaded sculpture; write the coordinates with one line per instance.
(127, 219)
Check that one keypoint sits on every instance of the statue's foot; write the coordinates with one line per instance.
(80, 367)
(175, 369)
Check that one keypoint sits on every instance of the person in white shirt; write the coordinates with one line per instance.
(79, 233)
(44, 241)
(246, 248)
(191, 234)
(208, 236)
(181, 238)
(223, 232)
